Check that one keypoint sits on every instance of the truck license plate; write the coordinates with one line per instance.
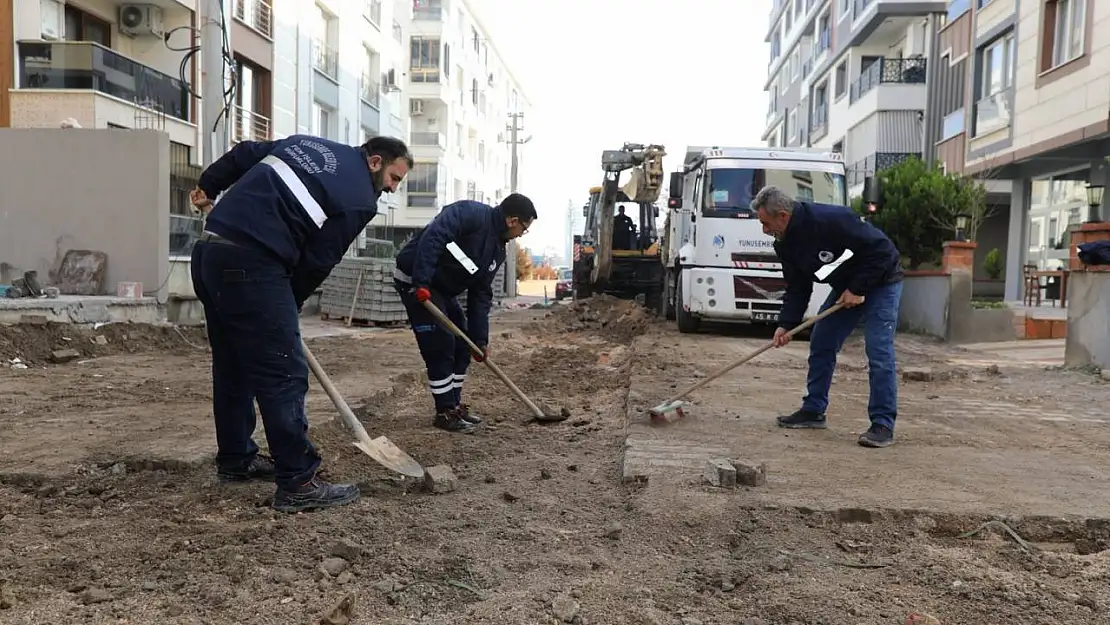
(768, 317)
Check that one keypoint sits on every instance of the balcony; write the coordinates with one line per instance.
(993, 112)
(249, 126)
(957, 8)
(953, 124)
(83, 66)
(370, 91)
(325, 59)
(820, 124)
(824, 42)
(256, 14)
(888, 71)
(372, 11)
(428, 139)
(875, 163)
(424, 11)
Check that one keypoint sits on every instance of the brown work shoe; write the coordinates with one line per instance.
(452, 420)
(469, 417)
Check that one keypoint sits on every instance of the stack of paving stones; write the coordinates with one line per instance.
(378, 302)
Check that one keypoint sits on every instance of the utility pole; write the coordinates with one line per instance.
(213, 79)
(933, 122)
(568, 250)
(514, 128)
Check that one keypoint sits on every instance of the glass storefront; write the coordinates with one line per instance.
(1057, 205)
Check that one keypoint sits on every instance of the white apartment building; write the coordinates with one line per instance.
(849, 75)
(459, 94)
(338, 73)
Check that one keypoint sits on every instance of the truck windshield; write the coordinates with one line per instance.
(729, 192)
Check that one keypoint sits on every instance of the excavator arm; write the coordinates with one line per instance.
(644, 185)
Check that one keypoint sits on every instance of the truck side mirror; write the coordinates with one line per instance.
(872, 191)
(586, 210)
(676, 185)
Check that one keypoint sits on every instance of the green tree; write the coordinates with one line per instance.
(919, 209)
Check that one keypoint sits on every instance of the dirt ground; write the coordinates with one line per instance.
(110, 513)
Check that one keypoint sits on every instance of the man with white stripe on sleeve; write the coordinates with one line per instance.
(290, 210)
(832, 245)
(460, 250)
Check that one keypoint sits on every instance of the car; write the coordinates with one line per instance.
(565, 286)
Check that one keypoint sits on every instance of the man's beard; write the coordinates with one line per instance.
(378, 178)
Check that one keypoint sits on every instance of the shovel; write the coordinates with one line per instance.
(538, 414)
(672, 410)
(381, 449)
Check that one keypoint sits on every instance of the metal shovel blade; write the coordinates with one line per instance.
(385, 453)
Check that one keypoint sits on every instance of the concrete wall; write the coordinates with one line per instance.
(1088, 340)
(924, 305)
(76, 189)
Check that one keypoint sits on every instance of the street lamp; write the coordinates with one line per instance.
(962, 220)
(1094, 201)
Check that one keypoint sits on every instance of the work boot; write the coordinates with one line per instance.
(803, 419)
(261, 467)
(452, 420)
(877, 436)
(314, 494)
(469, 417)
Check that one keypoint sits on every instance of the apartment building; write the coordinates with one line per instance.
(1023, 95)
(850, 76)
(460, 94)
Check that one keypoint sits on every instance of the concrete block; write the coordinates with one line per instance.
(440, 479)
(719, 472)
(34, 320)
(65, 355)
(749, 474)
(918, 374)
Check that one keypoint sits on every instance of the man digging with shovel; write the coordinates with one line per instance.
(460, 250)
(269, 242)
(832, 245)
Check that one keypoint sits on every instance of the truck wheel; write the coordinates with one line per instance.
(653, 301)
(687, 323)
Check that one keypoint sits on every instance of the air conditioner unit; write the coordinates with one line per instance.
(52, 20)
(138, 20)
(416, 107)
(389, 81)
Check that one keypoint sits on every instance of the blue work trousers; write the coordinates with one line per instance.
(879, 317)
(254, 331)
(446, 356)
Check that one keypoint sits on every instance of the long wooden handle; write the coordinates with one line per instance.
(454, 329)
(340, 404)
(729, 367)
(354, 300)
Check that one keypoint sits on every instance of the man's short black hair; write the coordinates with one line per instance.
(389, 149)
(519, 206)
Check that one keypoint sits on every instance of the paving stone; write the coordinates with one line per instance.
(440, 479)
(719, 472)
(750, 474)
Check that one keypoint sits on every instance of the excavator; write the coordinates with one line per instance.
(612, 255)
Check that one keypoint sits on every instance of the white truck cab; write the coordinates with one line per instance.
(720, 266)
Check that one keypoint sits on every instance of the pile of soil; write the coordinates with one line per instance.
(619, 320)
(32, 343)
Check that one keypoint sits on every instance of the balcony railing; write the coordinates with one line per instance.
(422, 200)
(90, 66)
(371, 91)
(993, 112)
(957, 8)
(824, 41)
(875, 163)
(883, 71)
(257, 14)
(953, 124)
(820, 125)
(428, 14)
(426, 74)
(250, 126)
(428, 139)
(325, 59)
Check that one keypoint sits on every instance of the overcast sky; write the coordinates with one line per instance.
(602, 72)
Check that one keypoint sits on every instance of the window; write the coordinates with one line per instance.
(424, 59)
(792, 122)
(1065, 26)
(824, 33)
(82, 26)
(474, 91)
(821, 106)
(795, 64)
(423, 183)
(996, 63)
(321, 120)
(842, 8)
(841, 80)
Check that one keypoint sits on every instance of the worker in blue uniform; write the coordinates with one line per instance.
(832, 245)
(290, 209)
(460, 250)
